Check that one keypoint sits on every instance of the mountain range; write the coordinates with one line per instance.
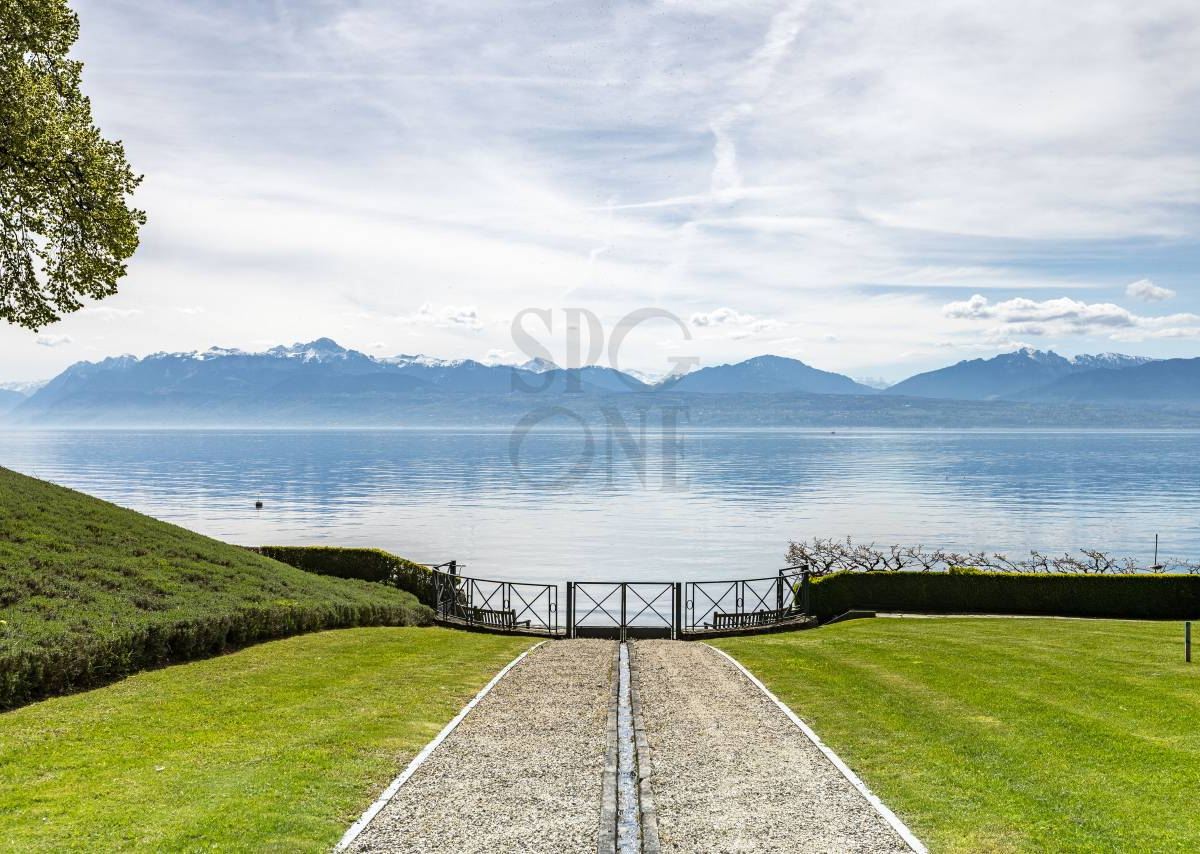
(1011, 375)
(322, 383)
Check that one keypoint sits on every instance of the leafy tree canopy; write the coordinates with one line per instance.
(65, 228)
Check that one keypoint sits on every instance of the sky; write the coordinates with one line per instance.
(876, 187)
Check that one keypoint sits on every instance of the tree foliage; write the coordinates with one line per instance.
(66, 229)
(827, 556)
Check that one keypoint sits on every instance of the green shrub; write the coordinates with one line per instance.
(1141, 597)
(964, 570)
(365, 564)
(90, 592)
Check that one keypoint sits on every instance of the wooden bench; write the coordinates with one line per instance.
(506, 619)
(748, 619)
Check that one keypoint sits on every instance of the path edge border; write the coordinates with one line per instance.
(649, 815)
(606, 834)
(390, 792)
(910, 839)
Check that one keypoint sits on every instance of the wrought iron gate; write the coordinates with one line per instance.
(624, 609)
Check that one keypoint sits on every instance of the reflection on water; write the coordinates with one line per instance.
(732, 504)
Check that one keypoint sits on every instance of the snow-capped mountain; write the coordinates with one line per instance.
(1109, 361)
(321, 382)
(23, 388)
(320, 372)
(537, 366)
(1007, 375)
(421, 360)
(1169, 381)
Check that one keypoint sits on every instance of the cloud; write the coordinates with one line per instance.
(110, 312)
(1147, 291)
(739, 326)
(720, 317)
(445, 317)
(53, 340)
(1064, 316)
(498, 356)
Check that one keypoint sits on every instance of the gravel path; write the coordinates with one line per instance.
(730, 772)
(522, 772)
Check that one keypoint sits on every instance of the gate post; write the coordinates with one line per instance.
(806, 594)
(678, 609)
(570, 609)
(622, 632)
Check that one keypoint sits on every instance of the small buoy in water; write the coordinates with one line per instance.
(258, 505)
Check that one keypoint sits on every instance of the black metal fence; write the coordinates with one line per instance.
(744, 603)
(503, 605)
(623, 609)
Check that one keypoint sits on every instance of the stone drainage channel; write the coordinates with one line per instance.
(627, 817)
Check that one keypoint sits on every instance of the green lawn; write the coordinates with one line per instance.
(90, 592)
(990, 735)
(278, 747)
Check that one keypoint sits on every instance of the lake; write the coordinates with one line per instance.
(552, 506)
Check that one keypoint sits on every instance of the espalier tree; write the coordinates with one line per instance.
(66, 229)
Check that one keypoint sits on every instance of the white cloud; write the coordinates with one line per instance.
(445, 317)
(109, 312)
(1147, 291)
(1064, 316)
(738, 325)
(721, 317)
(498, 356)
(53, 340)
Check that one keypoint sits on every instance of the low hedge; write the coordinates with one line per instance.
(33, 671)
(1140, 597)
(365, 564)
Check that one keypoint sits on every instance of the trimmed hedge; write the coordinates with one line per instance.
(91, 592)
(32, 672)
(1139, 597)
(365, 564)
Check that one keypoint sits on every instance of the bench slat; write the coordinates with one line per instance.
(501, 619)
(748, 619)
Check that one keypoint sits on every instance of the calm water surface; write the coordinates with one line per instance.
(714, 505)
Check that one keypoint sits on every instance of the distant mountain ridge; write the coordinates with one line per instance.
(1007, 375)
(1168, 380)
(767, 375)
(321, 382)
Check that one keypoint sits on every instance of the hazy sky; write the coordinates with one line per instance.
(875, 186)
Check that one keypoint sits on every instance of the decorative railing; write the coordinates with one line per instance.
(744, 603)
(491, 604)
(622, 609)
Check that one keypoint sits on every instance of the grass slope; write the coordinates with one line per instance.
(278, 747)
(90, 592)
(1005, 735)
